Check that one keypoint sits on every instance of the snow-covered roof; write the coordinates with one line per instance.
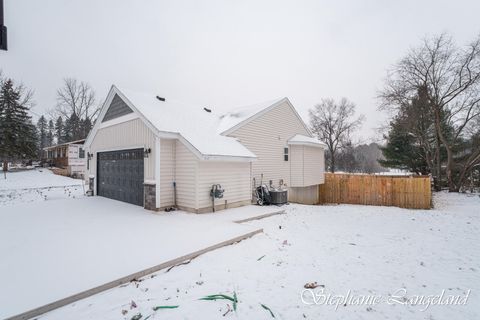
(205, 133)
(304, 140)
(81, 141)
(197, 126)
(233, 118)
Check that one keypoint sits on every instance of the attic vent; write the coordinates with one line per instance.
(160, 98)
(208, 110)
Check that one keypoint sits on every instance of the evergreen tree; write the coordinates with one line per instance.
(73, 128)
(18, 134)
(28, 140)
(50, 132)
(86, 126)
(401, 151)
(67, 130)
(42, 131)
(450, 78)
(413, 143)
(59, 130)
(76, 126)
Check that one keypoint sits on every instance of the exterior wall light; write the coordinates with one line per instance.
(146, 152)
(89, 157)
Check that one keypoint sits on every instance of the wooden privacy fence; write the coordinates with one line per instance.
(412, 192)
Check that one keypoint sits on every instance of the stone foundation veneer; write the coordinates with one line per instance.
(91, 184)
(149, 201)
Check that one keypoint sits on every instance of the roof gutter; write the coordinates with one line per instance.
(202, 156)
(306, 143)
(209, 157)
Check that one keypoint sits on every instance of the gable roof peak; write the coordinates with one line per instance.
(235, 119)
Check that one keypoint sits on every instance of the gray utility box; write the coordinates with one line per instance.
(279, 197)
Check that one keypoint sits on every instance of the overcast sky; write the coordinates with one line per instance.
(225, 53)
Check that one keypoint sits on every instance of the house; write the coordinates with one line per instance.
(69, 156)
(156, 152)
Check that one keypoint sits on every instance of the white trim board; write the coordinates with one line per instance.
(115, 121)
(157, 171)
(101, 114)
(306, 143)
(138, 146)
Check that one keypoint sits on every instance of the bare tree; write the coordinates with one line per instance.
(451, 76)
(76, 98)
(367, 156)
(333, 123)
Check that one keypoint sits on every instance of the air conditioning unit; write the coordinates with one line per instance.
(278, 197)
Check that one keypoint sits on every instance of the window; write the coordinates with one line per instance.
(285, 153)
(81, 153)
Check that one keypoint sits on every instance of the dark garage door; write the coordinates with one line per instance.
(120, 175)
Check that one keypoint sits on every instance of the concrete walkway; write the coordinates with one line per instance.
(57, 252)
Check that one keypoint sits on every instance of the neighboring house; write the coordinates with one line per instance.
(68, 155)
(159, 153)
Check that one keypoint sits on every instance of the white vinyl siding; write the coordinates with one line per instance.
(130, 134)
(296, 166)
(186, 166)
(307, 166)
(267, 137)
(74, 155)
(177, 163)
(167, 172)
(313, 166)
(194, 178)
(234, 177)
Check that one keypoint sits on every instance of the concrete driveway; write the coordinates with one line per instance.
(54, 249)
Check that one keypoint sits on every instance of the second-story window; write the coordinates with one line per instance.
(285, 153)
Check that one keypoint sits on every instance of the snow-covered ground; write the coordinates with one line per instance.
(365, 249)
(54, 247)
(37, 185)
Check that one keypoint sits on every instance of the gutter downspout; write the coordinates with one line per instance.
(157, 172)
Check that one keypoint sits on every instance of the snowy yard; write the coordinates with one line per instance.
(367, 250)
(55, 246)
(37, 185)
(61, 244)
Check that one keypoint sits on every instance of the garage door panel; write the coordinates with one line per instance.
(120, 175)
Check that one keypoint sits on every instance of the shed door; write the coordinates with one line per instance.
(120, 175)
